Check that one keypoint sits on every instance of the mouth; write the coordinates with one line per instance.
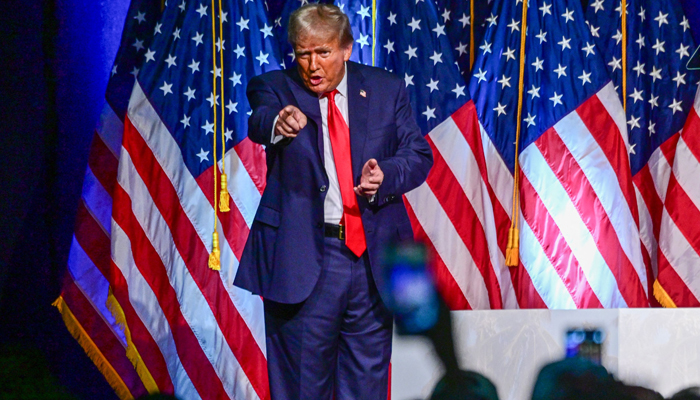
(315, 80)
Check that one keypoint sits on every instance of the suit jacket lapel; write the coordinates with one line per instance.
(308, 104)
(357, 112)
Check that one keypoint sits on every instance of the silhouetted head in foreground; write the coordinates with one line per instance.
(691, 393)
(577, 379)
(642, 393)
(464, 385)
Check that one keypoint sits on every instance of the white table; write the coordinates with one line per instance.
(654, 348)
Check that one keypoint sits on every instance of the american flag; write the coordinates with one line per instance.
(85, 294)
(208, 333)
(579, 245)
(579, 241)
(197, 335)
(660, 93)
(454, 18)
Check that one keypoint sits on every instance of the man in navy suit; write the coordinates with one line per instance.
(342, 148)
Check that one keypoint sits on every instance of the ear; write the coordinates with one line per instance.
(347, 52)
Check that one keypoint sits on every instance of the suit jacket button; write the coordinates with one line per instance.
(322, 189)
(319, 225)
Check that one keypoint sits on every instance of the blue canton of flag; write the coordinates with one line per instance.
(136, 38)
(412, 43)
(660, 90)
(456, 16)
(361, 17)
(178, 73)
(281, 23)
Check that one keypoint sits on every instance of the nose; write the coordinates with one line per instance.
(313, 63)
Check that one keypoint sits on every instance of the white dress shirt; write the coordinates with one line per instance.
(333, 204)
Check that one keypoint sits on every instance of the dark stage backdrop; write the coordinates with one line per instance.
(56, 59)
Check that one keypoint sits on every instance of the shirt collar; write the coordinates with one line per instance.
(342, 87)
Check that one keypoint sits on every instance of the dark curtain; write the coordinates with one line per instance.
(56, 56)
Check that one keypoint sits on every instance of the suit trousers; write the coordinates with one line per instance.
(337, 343)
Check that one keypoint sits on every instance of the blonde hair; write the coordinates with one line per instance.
(318, 18)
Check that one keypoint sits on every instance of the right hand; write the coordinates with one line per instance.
(291, 120)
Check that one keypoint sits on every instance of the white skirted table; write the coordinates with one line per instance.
(654, 348)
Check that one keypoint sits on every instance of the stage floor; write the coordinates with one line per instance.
(654, 348)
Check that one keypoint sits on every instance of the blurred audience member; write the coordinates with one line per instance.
(577, 379)
(464, 385)
(691, 393)
(642, 393)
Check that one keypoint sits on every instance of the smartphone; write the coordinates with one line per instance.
(412, 295)
(586, 343)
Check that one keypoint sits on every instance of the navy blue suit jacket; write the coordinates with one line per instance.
(283, 256)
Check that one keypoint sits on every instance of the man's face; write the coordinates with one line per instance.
(321, 61)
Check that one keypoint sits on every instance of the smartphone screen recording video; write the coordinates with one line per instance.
(585, 343)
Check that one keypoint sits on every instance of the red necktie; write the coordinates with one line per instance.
(340, 143)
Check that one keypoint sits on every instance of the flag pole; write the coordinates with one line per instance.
(623, 13)
(471, 35)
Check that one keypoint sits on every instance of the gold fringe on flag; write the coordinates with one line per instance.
(662, 296)
(78, 332)
(131, 352)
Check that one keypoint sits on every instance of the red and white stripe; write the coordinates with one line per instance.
(209, 335)
(579, 241)
(679, 236)
(650, 184)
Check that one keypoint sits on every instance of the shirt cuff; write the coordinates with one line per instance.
(274, 139)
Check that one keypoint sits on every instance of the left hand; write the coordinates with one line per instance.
(372, 177)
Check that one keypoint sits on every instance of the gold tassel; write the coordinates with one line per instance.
(93, 351)
(223, 195)
(513, 249)
(214, 256)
